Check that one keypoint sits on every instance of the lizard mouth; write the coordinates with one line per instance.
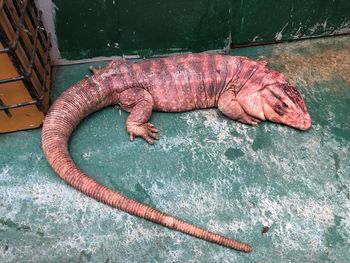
(306, 122)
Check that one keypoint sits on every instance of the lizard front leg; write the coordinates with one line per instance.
(139, 103)
(229, 106)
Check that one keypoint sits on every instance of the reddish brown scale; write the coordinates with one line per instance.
(221, 75)
(294, 95)
(162, 89)
(173, 84)
(208, 81)
(246, 71)
(198, 89)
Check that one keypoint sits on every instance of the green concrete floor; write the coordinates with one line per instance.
(219, 174)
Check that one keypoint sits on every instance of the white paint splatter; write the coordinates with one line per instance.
(255, 38)
(279, 35)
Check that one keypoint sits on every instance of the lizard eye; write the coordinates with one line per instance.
(284, 105)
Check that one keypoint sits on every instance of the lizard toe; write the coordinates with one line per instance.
(151, 128)
(147, 131)
(148, 139)
(250, 120)
(153, 135)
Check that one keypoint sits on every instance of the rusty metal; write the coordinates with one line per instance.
(22, 104)
(10, 48)
(3, 81)
(32, 13)
(19, 27)
(29, 73)
(33, 17)
(4, 50)
(13, 45)
(8, 113)
(18, 65)
(47, 46)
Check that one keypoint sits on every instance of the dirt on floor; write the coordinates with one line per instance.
(308, 62)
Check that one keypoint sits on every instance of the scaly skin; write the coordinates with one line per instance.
(242, 89)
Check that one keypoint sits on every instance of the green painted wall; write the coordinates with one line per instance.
(93, 28)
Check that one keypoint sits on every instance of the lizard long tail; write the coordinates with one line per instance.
(67, 111)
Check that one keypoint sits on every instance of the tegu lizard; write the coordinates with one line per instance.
(242, 89)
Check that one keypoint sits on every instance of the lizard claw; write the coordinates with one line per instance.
(147, 131)
(250, 120)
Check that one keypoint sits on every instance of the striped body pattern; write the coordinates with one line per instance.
(242, 89)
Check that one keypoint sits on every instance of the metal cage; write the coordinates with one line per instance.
(25, 72)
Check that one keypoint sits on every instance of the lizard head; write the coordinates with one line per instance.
(283, 103)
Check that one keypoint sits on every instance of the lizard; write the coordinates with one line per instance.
(242, 89)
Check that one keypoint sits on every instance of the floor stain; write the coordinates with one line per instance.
(336, 161)
(12, 224)
(265, 229)
(233, 153)
(261, 141)
(333, 235)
